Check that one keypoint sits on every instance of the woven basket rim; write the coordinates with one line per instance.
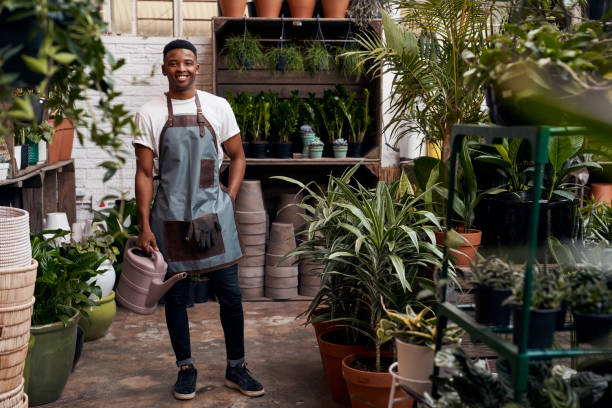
(33, 265)
(6, 213)
(15, 308)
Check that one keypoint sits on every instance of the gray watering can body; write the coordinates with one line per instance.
(141, 284)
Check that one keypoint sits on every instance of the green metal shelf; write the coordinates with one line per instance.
(517, 355)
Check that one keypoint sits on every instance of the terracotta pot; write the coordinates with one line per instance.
(255, 260)
(308, 290)
(250, 197)
(602, 192)
(310, 280)
(253, 239)
(250, 217)
(268, 8)
(232, 8)
(281, 293)
(61, 142)
(467, 253)
(281, 271)
(289, 213)
(331, 356)
(252, 293)
(416, 363)
(250, 271)
(335, 8)
(370, 389)
(255, 250)
(282, 283)
(282, 239)
(247, 283)
(302, 8)
(252, 229)
(322, 326)
(274, 260)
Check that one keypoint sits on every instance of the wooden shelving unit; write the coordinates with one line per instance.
(40, 190)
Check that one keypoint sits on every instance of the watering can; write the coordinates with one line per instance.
(141, 284)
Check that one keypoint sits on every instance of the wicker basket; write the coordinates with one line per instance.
(15, 248)
(15, 323)
(13, 398)
(17, 284)
(24, 403)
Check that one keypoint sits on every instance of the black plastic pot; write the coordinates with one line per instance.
(355, 149)
(258, 150)
(541, 327)
(561, 314)
(280, 150)
(25, 156)
(245, 147)
(504, 220)
(489, 309)
(328, 149)
(200, 291)
(38, 105)
(593, 328)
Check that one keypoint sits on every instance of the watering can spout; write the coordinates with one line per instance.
(158, 288)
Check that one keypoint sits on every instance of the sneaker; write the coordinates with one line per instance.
(185, 386)
(239, 378)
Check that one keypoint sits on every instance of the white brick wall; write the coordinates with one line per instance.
(138, 80)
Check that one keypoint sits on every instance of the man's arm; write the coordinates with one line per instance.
(233, 148)
(144, 195)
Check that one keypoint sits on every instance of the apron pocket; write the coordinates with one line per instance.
(180, 248)
(207, 173)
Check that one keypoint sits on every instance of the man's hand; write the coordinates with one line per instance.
(146, 241)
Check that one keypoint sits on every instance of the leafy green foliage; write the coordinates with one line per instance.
(595, 225)
(357, 115)
(33, 133)
(242, 105)
(589, 293)
(286, 58)
(242, 51)
(549, 288)
(61, 281)
(493, 272)
(284, 116)
(317, 57)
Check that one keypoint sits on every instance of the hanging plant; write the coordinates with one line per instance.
(284, 59)
(242, 52)
(317, 57)
(348, 61)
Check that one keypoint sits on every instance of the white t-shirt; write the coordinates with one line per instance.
(152, 117)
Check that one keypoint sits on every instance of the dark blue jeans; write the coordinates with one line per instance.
(225, 286)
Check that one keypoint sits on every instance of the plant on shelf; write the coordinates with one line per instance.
(595, 224)
(284, 58)
(242, 52)
(331, 111)
(242, 105)
(284, 116)
(348, 60)
(315, 148)
(340, 148)
(317, 57)
(357, 114)
(493, 278)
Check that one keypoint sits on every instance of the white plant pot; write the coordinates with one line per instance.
(42, 151)
(17, 158)
(105, 281)
(4, 171)
(57, 220)
(415, 363)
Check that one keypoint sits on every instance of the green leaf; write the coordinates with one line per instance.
(561, 149)
(38, 65)
(64, 57)
(398, 39)
(400, 270)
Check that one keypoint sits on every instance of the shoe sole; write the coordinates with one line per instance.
(183, 397)
(233, 385)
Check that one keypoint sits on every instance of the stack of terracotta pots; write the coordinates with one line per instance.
(288, 212)
(251, 219)
(310, 278)
(17, 279)
(281, 275)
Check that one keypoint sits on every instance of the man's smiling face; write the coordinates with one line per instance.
(181, 67)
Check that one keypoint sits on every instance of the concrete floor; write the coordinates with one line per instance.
(133, 365)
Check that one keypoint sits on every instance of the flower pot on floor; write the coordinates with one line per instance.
(541, 327)
(99, 318)
(335, 8)
(370, 389)
(288, 211)
(416, 363)
(464, 255)
(302, 8)
(268, 8)
(333, 348)
(15, 323)
(250, 197)
(232, 8)
(51, 359)
(602, 192)
(106, 280)
(593, 328)
(489, 309)
(17, 284)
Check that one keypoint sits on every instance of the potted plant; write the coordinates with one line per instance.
(347, 60)
(548, 290)
(493, 278)
(260, 127)
(378, 246)
(242, 105)
(284, 116)
(242, 52)
(284, 58)
(307, 135)
(317, 57)
(358, 118)
(415, 335)
(61, 292)
(340, 148)
(590, 301)
(315, 148)
(20, 149)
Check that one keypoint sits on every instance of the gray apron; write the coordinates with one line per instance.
(189, 188)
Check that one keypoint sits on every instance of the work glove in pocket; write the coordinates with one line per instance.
(203, 231)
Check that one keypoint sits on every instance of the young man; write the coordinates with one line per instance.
(192, 219)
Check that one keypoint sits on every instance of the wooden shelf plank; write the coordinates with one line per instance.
(324, 161)
(35, 171)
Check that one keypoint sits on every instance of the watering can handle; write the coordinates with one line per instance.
(157, 256)
(131, 242)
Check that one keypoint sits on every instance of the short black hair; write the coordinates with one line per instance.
(173, 45)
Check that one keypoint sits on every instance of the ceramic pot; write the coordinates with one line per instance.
(51, 359)
(308, 290)
(250, 271)
(315, 151)
(340, 152)
(282, 272)
(250, 197)
(61, 142)
(32, 153)
(288, 212)
(307, 138)
(106, 280)
(254, 250)
(57, 220)
(99, 318)
(232, 8)
(250, 217)
(268, 8)
(256, 282)
(335, 8)
(17, 155)
(281, 150)
(42, 151)
(332, 352)
(25, 157)
(302, 8)
(370, 389)
(602, 192)
(415, 363)
(464, 255)
(310, 280)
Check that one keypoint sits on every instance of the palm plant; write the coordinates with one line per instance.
(429, 93)
(242, 105)
(357, 115)
(375, 245)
